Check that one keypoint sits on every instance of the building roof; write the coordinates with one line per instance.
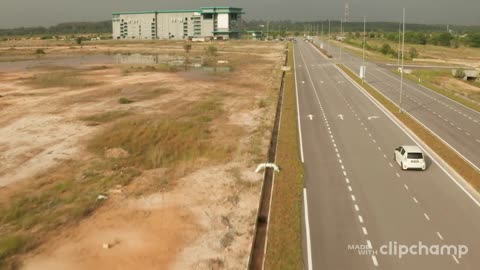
(219, 9)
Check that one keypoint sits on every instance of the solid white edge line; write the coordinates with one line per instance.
(369, 244)
(307, 231)
(374, 259)
(411, 137)
(298, 107)
(455, 259)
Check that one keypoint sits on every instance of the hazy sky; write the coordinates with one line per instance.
(16, 13)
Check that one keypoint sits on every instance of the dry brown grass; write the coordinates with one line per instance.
(68, 193)
(67, 79)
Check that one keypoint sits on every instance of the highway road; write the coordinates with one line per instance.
(356, 195)
(456, 124)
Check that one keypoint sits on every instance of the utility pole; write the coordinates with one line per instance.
(401, 74)
(268, 22)
(341, 36)
(399, 44)
(363, 70)
(328, 38)
(321, 38)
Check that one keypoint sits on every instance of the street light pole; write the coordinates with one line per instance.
(364, 42)
(328, 38)
(401, 73)
(341, 36)
(399, 41)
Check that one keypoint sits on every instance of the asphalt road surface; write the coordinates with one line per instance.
(358, 198)
(456, 124)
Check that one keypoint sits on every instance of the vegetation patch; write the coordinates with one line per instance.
(106, 116)
(124, 100)
(284, 250)
(446, 153)
(157, 142)
(57, 198)
(70, 192)
(68, 79)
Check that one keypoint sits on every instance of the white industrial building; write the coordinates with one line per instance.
(207, 22)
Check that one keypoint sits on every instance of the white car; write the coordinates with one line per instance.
(410, 157)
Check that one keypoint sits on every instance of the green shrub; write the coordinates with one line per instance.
(124, 100)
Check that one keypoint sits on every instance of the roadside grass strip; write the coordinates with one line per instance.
(284, 247)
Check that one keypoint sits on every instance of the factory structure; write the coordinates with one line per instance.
(204, 23)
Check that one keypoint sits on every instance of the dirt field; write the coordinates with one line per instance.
(120, 165)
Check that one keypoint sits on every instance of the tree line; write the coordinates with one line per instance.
(61, 29)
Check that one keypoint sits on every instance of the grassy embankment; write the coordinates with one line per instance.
(68, 193)
(446, 153)
(437, 80)
(284, 250)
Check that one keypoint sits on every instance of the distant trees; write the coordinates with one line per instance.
(61, 29)
(474, 40)
(442, 39)
(386, 49)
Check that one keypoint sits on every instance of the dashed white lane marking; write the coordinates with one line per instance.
(340, 161)
(391, 165)
(346, 180)
(374, 141)
(364, 231)
(406, 187)
(468, 134)
(385, 156)
(338, 155)
(374, 259)
(439, 235)
(398, 175)
(343, 168)
(369, 244)
(426, 216)
(455, 259)
(360, 218)
(353, 198)
(356, 207)
(344, 173)
(379, 148)
(350, 188)
(415, 200)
